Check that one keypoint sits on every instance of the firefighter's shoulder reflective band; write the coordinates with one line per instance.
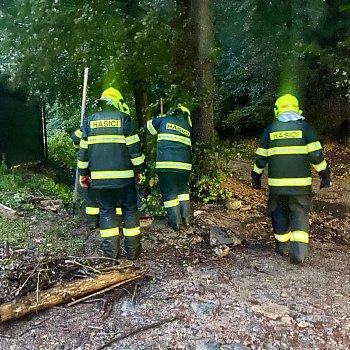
(313, 146)
(78, 133)
(283, 238)
(106, 139)
(109, 232)
(138, 160)
(258, 170)
(151, 128)
(83, 165)
(299, 236)
(261, 152)
(118, 211)
(287, 150)
(302, 181)
(175, 138)
(132, 139)
(320, 166)
(183, 197)
(92, 211)
(84, 144)
(173, 165)
(122, 174)
(171, 203)
(129, 232)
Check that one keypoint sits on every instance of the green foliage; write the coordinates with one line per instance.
(15, 185)
(210, 169)
(61, 149)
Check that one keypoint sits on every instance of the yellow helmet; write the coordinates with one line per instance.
(114, 97)
(186, 111)
(286, 103)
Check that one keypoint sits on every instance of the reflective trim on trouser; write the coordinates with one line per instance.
(130, 232)
(109, 232)
(299, 236)
(283, 237)
(92, 211)
(96, 211)
(171, 203)
(183, 197)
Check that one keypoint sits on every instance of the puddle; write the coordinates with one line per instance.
(339, 210)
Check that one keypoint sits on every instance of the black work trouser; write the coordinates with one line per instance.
(175, 193)
(290, 217)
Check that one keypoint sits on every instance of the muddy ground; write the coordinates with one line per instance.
(212, 298)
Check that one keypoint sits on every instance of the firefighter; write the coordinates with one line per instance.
(92, 210)
(174, 163)
(289, 146)
(109, 160)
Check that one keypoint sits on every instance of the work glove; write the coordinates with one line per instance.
(256, 180)
(325, 176)
(84, 181)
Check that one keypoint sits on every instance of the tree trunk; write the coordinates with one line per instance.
(203, 116)
(141, 102)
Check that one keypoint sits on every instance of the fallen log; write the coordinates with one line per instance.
(63, 294)
(7, 212)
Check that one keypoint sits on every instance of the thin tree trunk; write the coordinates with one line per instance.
(141, 102)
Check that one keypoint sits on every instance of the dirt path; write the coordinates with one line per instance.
(248, 299)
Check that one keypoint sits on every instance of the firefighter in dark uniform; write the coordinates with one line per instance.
(92, 210)
(289, 146)
(109, 159)
(174, 163)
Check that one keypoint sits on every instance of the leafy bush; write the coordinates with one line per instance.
(61, 149)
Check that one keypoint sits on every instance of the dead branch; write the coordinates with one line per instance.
(141, 329)
(101, 291)
(64, 293)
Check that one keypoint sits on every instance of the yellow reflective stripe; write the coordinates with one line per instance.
(110, 232)
(83, 165)
(132, 139)
(258, 170)
(92, 210)
(151, 128)
(298, 181)
(171, 203)
(313, 146)
(261, 152)
(84, 144)
(183, 197)
(320, 166)
(78, 133)
(173, 165)
(118, 211)
(287, 150)
(283, 238)
(75, 146)
(175, 138)
(138, 160)
(106, 139)
(130, 232)
(299, 236)
(122, 174)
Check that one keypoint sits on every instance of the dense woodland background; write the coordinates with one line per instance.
(227, 60)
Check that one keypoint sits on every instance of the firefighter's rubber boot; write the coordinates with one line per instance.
(185, 210)
(298, 252)
(174, 217)
(133, 247)
(282, 248)
(111, 247)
